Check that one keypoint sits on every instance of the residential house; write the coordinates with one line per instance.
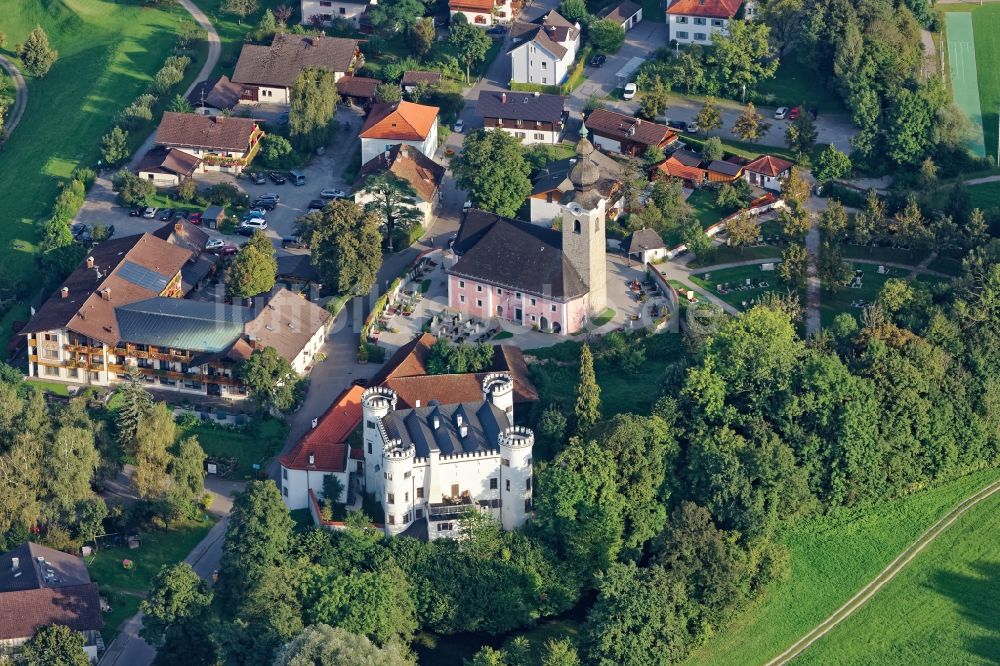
(530, 117)
(297, 271)
(694, 21)
(627, 14)
(167, 167)
(645, 245)
(543, 51)
(324, 449)
(399, 123)
(124, 307)
(552, 188)
(694, 171)
(420, 172)
(430, 464)
(267, 73)
(221, 143)
(214, 96)
(485, 13)
(357, 90)
(413, 78)
(40, 586)
(324, 12)
(192, 238)
(767, 171)
(615, 132)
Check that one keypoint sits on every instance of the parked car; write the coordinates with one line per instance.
(166, 214)
(225, 250)
(250, 217)
(466, 206)
(630, 90)
(691, 127)
(78, 228)
(260, 211)
(265, 204)
(293, 243)
(136, 212)
(214, 244)
(181, 215)
(259, 178)
(254, 223)
(194, 218)
(276, 178)
(598, 60)
(270, 196)
(331, 193)
(793, 114)
(781, 113)
(316, 204)
(150, 212)
(458, 126)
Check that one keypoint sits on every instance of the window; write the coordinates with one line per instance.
(533, 318)
(52, 372)
(444, 527)
(54, 354)
(505, 462)
(461, 299)
(420, 492)
(519, 135)
(544, 80)
(392, 519)
(284, 491)
(343, 10)
(493, 484)
(532, 301)
(718, 23)
(576, 226)
(527, 505)
(461, 284)
(539, 136)
(406, 475)
(406, 517)
(527, 483)
(507, 484)
(699, 20)
(699, 36)
(390, 498)
(517, 295)
(369, 448)
(284, 473)
(499, 291)
(681, 19)
(553, 308)
(74, 373)
(545, 65)
(370, 425)
(406, 497)
(681, 34)
(479, 287)
(325, 3)
(479, 302)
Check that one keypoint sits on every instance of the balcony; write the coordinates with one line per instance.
(452, 508)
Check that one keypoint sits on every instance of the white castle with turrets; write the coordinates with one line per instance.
(431, 464)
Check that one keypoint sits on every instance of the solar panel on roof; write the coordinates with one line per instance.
(142, 277)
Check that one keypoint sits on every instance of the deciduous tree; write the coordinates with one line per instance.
(241, 8)
(794, 267)
(314, 103)
(177, 595)
(345, 242)
(742, 230)
(744, 55)
(470, 43)
(493, 169)
(323, 645)
(254, 268)
(833, 221)
(750, 125)
(114, 146)
(574, 10)
(55, 645)
(831, 164)
(801, 133)
(606, 36)
(270, 379)
(709, 117)
(712, 149)
(653, 102)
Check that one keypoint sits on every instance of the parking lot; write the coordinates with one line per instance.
(325, 171)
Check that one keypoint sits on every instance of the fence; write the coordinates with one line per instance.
(757, 206)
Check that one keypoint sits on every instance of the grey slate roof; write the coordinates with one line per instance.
(59, 569)
(297, 267)
(415, 427)
(621, 12)
(182, 324)
(549, 32)
(555, 175)
(643, 240)
(521, 106)
(515, 255)
(728, 168)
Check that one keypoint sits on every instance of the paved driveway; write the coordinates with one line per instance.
(640, 42)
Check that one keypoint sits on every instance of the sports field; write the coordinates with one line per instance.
(974, 68)
(942, 609)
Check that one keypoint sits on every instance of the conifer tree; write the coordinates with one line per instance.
(588, 393)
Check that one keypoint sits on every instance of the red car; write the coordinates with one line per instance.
(794, 113)
(226, 250)
(194, 218)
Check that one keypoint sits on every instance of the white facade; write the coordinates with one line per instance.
(296, 484)
(772, 183)
(695, 29)
(160, 179)
(425, 208)
(531, 63)
(372, 148)
(529, 135)
(439, 488)
(304, 359)
(328, 10)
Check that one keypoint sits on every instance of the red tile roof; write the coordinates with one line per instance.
(769, 165)
(710, 8)
(483, 6)
(327, 441)
(208, 132)
(675, 169)
(421, 172)
(402, 121)
(22, 612)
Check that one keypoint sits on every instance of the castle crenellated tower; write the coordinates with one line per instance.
(376, 403)
(498, 388)
(515, 443)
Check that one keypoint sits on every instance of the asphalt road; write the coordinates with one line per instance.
(20, 97)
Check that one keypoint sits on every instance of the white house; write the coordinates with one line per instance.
(324, 12)
(167, 167)
(399, 123)
(423, 175)
(543, 51)
(323, 451)
(220, 143)
(530, 117)
(767, 171)
(429, 465)
(694, 21)
(267, 73)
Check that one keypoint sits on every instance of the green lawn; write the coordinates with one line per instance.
(984, 195)
(795, 84)
(725, 254)
(738, 276)
(850, 300)
(55, 388)
(108, 53)
(744, 149)
(831, 557)
(891, 254)
(128, 586)
(257, 444)
(943, 609)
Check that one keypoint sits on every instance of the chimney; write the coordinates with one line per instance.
(638, 121)
(106, 293)
(315, 422)
(503, 98)
(312, 458)
(463, 431)
(437, 421)
(416, 403)
(90, 262)
(15, 563)
(64, 292)
(458, 420)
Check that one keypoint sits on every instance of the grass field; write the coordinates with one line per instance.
(254, 446)
(108, 53)
(794, 84)
(843, 299)
(943, 609)
(890, 254)
(127, 587)
(986, 26)
(831, 557)
(964, 78)
(725, 254)
(738, 276)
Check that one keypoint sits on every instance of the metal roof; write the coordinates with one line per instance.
(182, 324)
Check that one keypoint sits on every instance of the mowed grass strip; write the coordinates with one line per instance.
(986, 29)
(831, 557)
(108, 53)
(944, 608)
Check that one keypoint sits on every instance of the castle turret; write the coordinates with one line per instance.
(376, 403)
(498, 388)
(515, 443)
(397, 499)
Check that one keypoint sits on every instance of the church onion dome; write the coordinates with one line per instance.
(585, 173)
